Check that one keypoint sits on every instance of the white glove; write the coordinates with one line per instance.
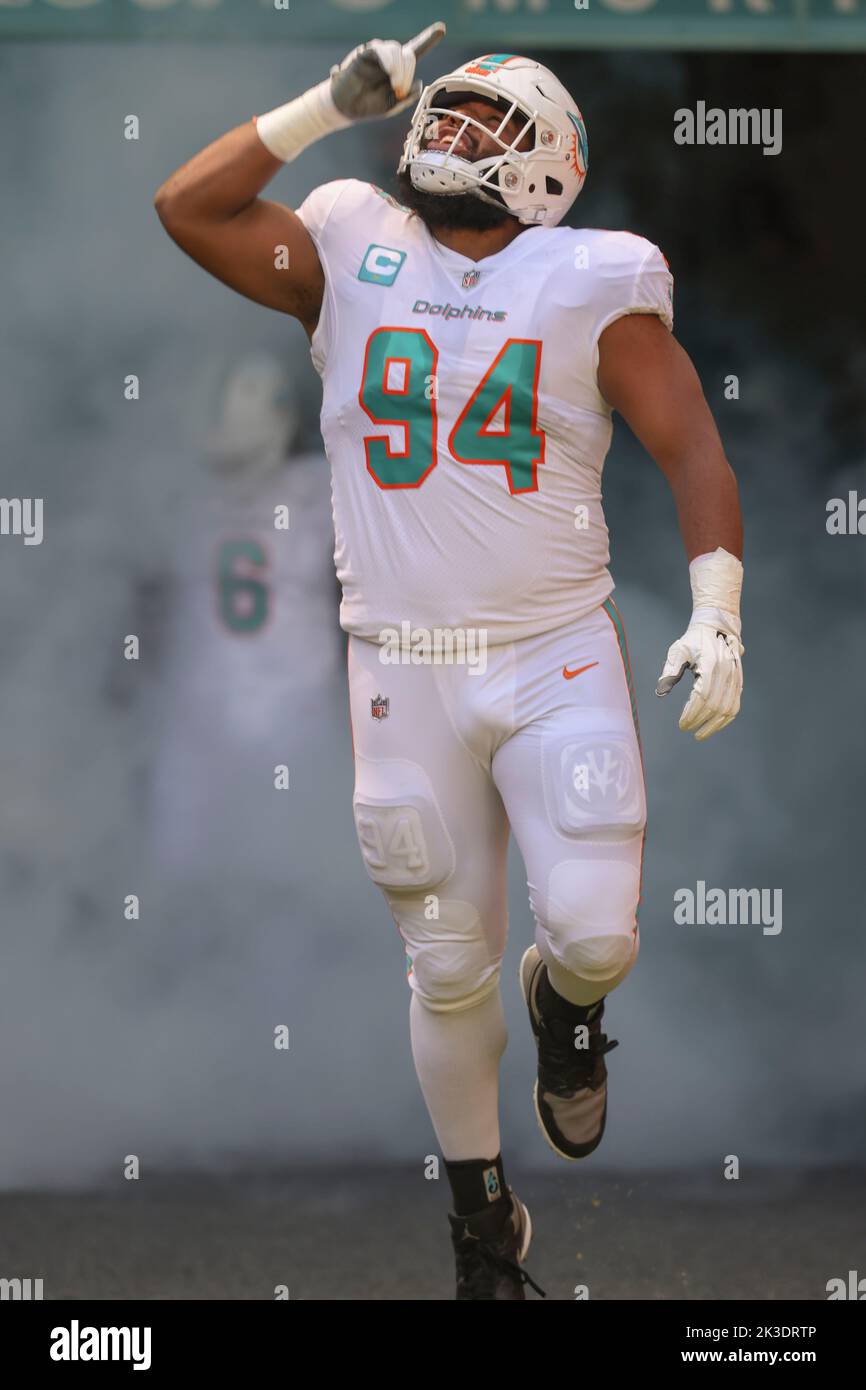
(377, 78)
(710, 646)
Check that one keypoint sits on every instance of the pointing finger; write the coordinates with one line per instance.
(427, 39)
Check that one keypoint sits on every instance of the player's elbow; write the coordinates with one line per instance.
(165, 206)
(174, 205)
(175, 218)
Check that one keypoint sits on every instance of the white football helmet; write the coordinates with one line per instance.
(536, 186)
(259, 419)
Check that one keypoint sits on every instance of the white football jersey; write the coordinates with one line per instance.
(462, 417)
(256, 621)
(253, 661)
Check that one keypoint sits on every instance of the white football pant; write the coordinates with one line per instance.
(542, 739)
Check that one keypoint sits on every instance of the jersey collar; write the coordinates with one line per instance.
(480, 272)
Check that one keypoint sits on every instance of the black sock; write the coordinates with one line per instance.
(475, 1183)
(552, 1005)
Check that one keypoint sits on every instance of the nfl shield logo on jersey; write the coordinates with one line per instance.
(379, 707)
(471, 278)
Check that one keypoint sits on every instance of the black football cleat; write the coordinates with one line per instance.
(570, 1091)
(489, 1246)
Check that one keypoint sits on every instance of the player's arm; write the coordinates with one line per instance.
(211, 206)
(646, 375)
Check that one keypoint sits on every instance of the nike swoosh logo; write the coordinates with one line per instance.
(570, 675)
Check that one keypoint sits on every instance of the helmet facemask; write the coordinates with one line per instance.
(536, 186)
(445, 173)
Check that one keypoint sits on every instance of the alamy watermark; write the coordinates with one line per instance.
(22, 516)
(434, 646)
(77, 1343)
(20, 1290)
(737, 126)
(703, 906)
(846, 516)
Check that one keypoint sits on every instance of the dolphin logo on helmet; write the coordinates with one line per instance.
(538, 185)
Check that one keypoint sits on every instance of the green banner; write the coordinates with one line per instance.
(484, 25)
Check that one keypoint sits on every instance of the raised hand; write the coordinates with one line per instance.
(378, 78)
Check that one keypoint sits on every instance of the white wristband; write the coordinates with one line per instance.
(717, 582)
(289, 129)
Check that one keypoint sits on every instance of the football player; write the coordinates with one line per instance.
(252, 579)
(472, 351)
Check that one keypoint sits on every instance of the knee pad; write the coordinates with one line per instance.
(595, 800)
(588, 922)
(404, 841)
(450, 966)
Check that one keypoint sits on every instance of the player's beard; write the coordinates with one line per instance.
(449, 211)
